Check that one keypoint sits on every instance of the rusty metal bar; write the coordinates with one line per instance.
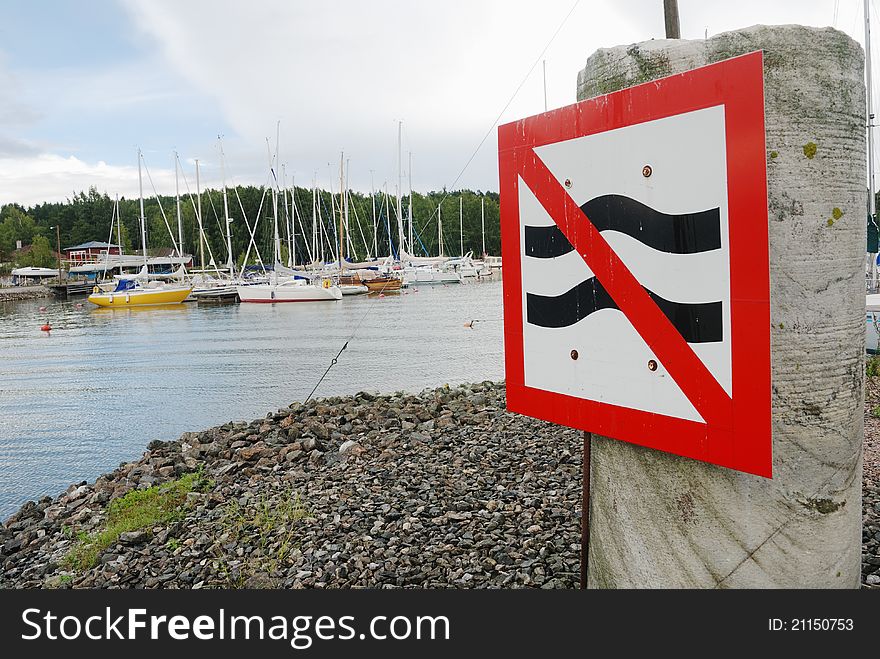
(585, 510)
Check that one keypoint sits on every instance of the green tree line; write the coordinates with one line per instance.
(88, 216)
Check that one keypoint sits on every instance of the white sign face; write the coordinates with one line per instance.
(657, 191)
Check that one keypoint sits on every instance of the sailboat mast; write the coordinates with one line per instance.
(373, 204)
(439, 230)
(399, 189)
(143, 220)
(341, 185)
(349, 245)
(292, 259)
(277, 240)
(226, 210)
(199, 211)
(314, 217)
(460, 223)
(412, 248)
(286, 215)
(483, 222)
(118, 232)
(177, 201)
(388, 222)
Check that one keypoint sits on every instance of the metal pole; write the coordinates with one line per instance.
(177, 204)
(199, 211)
(412, 248)
(544, 63)
(585, 511)
(58, 248)
(483, 222)
(341, 186)
(143, 219)
(460, 223)
(670, 13)
(375, 226)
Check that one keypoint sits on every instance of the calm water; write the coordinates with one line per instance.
(106, 382)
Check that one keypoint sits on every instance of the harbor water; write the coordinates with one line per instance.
(93, 392)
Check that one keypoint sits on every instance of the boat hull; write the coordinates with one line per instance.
(353, 289)
(383, 285)
(268, 294)
(139, 298)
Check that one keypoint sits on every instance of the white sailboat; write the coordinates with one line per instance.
(288, 288)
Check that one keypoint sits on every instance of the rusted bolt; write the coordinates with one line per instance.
(652, 365)
(647, 171)
(574, 354)
(568, 183)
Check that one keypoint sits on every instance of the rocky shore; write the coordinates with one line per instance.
(440, 489)
(23, 293)
(871, 487)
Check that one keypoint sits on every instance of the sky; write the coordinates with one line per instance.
(84, 85)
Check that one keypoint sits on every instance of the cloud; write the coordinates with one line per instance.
(13, 111)
(12, 147)
(338, 75)
(50, 177)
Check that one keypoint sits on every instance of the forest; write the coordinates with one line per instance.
(89, 215)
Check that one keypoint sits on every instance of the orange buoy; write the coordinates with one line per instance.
(46, 328)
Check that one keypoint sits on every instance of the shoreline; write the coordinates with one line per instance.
(16, 293)
(433, 490)
(439, 489)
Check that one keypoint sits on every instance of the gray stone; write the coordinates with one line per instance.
(133, 537)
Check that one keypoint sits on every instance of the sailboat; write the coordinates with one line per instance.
(136, 293)
(289, 288)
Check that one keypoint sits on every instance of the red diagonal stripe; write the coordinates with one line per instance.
(682, 363)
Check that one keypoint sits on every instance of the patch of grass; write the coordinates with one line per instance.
(875, 412)
(872, 367)
(136, 510)
(66, 579)
(173, 544)
(271, 526)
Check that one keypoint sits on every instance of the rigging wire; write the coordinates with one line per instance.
(335, 360)
(159, 202)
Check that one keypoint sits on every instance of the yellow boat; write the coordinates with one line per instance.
(140, 297)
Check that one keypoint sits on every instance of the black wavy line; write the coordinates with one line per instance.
(697, 323)
(687, 233)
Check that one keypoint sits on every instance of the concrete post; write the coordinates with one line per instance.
(658, 520)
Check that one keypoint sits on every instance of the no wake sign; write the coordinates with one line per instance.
(636, 265)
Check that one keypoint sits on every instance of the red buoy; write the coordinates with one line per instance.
(46, 328)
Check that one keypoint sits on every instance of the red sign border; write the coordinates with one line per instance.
(740, 435)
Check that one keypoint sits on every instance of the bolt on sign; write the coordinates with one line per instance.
(636, 265)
